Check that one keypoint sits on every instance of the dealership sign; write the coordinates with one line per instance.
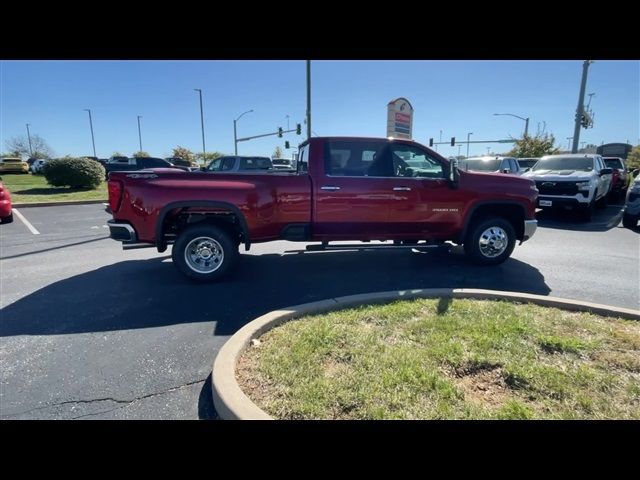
(399, 118)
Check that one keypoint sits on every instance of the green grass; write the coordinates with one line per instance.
(34, 189)
(447, 359)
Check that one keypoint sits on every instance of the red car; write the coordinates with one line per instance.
(6, 215)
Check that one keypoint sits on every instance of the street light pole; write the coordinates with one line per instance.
(468, 137)
(201, 123)
(93, 141)
(580, 109)
(235, 135)
(526, 121)
(308, 99)
(139, 132)
(439, 140)
(29, 136)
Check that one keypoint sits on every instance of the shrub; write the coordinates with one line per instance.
(73, 172)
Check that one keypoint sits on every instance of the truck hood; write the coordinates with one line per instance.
(559, 175)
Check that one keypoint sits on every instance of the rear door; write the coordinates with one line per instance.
(353, 189)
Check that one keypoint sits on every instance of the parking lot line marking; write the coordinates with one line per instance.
(26, 222)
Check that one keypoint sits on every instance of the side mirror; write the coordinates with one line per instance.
(606, 171)
(454, 175)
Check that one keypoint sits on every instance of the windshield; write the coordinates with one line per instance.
(613, 163)
(527, 163)
(481, 164)
(565, 163)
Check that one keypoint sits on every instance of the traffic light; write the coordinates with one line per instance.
(298, 129)
(286, 144)
(453, 141)
(280, 132)
(431, 142)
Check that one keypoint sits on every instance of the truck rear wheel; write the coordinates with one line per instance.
(204, 253)
(490, 241)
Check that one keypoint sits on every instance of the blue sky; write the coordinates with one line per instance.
(348, 98)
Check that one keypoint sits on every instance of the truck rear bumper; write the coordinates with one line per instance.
(530, 227)
(123, 232)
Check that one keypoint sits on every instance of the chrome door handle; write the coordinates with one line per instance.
(401, 189)
(329, 187)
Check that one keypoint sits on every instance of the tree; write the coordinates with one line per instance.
(536, 146)
(19, 146)
(140, 153)
(633, 159)
(208, 156)
(277, 153)
(183, 153)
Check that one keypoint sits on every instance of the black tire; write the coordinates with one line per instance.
(587, 212)
(630, 221)
(478, 228)
(215, 235)
(8, 219)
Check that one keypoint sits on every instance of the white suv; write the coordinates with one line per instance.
(575, 181)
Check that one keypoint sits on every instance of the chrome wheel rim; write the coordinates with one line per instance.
(493, 242)
(204, 255)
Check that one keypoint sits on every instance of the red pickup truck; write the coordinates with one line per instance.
(345, 188)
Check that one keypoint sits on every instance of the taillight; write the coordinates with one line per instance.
(115, 194)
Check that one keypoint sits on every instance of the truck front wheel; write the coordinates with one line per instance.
(204, 253)
(490, 241)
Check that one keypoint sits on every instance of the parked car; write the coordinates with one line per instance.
(365, 192)
(6, 214)
(527, 164)
(240, 164)
(619, 176)
(126, 164)
(491, 165)
(631, 210)
(572, 181)
(37, 165)
(13, 165)
(283, 164)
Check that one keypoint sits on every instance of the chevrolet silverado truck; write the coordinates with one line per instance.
(344, 189)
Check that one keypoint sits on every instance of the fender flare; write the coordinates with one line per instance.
(482, 203)
(161, 244)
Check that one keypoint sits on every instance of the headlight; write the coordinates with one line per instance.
(583, 185)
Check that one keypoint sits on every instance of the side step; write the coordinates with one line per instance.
(134, 246)
(356, 246)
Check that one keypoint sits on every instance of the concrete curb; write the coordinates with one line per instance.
(58, 204)
(232, 404)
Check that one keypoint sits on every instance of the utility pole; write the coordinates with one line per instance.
(139, 132)
(201, 123)
(468, 136)
(29, 136)
(92, 139)
(308, 99)
(580, 109)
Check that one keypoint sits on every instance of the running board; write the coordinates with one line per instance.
(356, 246)
(134, 246)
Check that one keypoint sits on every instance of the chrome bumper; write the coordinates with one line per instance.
(530, 227)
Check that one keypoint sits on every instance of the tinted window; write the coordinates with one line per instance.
(255, 163)
(358, 159)
(613, 163)
(228, 163)
(565, 163)
(152, 163)
(302, 165)
(215, 164)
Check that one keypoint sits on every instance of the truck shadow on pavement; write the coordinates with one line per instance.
(603, 219)
(151, 293)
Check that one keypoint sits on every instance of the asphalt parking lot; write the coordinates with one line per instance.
(90, 331)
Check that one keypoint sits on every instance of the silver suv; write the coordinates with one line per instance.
(572, 181)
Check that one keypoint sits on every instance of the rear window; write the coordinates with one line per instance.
(352, 158)
(255, 163)
(278, 161)
(481, 164)
(613, 163)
